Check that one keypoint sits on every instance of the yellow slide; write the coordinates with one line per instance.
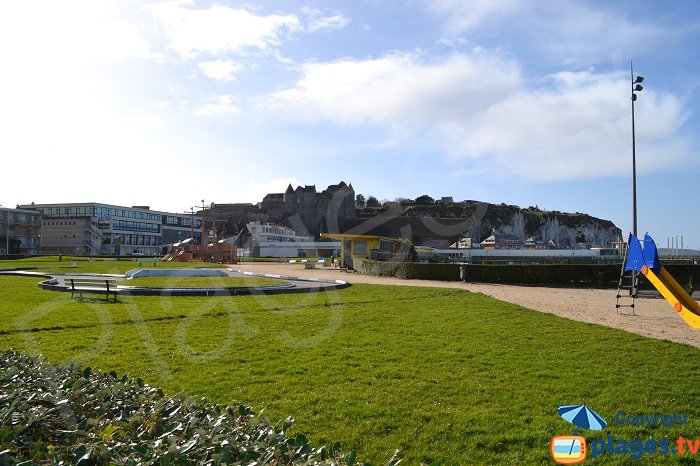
(681, 301)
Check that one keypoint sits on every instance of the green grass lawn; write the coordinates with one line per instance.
(441, 374)
(201, 282)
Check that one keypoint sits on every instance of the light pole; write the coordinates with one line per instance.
(7, 232)
(205, 238)
(636, 87)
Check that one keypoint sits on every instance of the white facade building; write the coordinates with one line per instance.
(269, 240)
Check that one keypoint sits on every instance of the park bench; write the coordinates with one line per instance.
(148, 260)
(106, 286)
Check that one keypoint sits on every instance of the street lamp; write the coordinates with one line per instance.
(7, 232)
(636, 87)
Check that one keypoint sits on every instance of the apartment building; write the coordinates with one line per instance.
(92, 228)
(20, 231)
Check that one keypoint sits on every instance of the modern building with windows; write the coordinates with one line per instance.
(92, 228)
(20, 231)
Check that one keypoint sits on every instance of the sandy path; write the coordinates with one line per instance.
(655, 318)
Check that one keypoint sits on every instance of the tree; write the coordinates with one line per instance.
(373, 202)
(360, 200)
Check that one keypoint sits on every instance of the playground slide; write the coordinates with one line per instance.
(647, 262)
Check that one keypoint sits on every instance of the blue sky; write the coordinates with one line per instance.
(522, 102)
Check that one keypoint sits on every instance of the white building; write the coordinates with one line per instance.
(269, 240)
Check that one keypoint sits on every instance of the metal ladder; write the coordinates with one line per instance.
(632, 279)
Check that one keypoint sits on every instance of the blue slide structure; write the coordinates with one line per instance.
(646, 261)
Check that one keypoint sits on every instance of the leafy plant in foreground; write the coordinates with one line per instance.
(65, 414)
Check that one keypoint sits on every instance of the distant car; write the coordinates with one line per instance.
(139, 254)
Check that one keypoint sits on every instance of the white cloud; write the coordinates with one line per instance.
(69, 32)
(478, 109)
(218, 105)
(573, 32)
(324, 19)
(397, 89)
(222, 70)
(580, 35)
(218, 29)
(463, 15)
(580, 128)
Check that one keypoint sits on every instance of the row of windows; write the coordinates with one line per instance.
(20, 218)
(125, 225)
(82, 211)
(278, 238)
(110, 212)
(141, 240)
(92, 211)
(25, 241)
(58, 223)
(277, 230)
(182, 221)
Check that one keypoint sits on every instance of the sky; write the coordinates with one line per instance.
(166, 103)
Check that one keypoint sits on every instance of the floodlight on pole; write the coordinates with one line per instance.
(636, 87)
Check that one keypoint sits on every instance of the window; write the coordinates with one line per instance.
(359, 246)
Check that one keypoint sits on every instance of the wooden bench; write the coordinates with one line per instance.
(106, 286)
(148, 260)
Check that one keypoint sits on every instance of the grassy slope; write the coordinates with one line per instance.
(441, 374)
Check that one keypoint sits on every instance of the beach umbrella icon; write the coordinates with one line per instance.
(582, 416)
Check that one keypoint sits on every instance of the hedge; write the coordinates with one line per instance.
(447, 272)
(596, 275)
(69, 415)
(599, 275)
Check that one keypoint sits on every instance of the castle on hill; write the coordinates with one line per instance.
(306, 209)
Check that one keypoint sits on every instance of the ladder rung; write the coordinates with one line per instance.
(628, 281)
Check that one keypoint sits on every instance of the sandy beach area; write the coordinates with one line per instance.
(654, 317)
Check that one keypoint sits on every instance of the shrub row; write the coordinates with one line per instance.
(447, 272)
(68, 415)
(597, 275)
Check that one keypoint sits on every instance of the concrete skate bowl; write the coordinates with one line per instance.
(61, 283)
